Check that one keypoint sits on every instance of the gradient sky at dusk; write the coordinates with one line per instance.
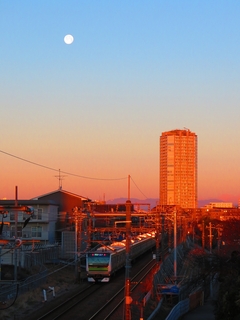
(97, 107)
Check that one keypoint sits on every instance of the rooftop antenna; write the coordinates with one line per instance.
(60, 179)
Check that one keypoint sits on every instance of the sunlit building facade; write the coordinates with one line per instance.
(178, 168)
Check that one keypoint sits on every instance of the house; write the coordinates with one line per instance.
(52, 214)
(42, 223)
(68, 204)
(52, 220)
(65, 200)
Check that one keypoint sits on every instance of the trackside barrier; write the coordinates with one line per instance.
(154, 313)
(147, 297)
(180, 309)
(196, 298)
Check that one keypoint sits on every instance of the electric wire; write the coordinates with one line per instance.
(138, 188)
(68, 173)
(15, 298)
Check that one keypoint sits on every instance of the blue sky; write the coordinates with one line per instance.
(98, 106)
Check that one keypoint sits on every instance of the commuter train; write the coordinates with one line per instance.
(105, 261)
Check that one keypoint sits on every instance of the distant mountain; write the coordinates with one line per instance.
(153, 201)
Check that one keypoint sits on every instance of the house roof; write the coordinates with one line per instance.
(62, 191)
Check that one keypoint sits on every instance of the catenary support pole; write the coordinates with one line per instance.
(128, 299)
(175, 244)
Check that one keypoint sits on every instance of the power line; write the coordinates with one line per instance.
(68, 173)
(138, 188)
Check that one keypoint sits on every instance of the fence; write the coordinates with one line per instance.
(11, 291)
(27, 260)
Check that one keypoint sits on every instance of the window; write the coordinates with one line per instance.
(19, 231)
(12, 216)
(38, 213)
(37, 232)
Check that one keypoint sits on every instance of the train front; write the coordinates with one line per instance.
(98, 266)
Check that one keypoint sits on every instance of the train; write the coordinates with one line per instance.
(102, 263)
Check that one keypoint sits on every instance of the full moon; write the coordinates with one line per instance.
(68, 39)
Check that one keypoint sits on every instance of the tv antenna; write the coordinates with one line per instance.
(60, 179)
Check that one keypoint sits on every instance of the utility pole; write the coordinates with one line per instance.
(78, 218)
(162, 238)
(157, 235)
(175, 244)
(16, 212)
(169, 235)
(210, 236)
(219, 230)
(75, 212)
(128, 298)
(210, 249)
(203, 235)
(0, 263)
(16, 234)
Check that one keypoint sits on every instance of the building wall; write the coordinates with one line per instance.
(219, 205)
(68, 245)
(178, 168)
(42, 225)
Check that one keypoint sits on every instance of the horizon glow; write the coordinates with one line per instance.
(97, 108)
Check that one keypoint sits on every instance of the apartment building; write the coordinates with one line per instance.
(178, 168)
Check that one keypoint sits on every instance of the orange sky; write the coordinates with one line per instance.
(96, 108)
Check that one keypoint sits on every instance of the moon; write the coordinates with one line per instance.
(68, 39)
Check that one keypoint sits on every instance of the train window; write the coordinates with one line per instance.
(101, 260)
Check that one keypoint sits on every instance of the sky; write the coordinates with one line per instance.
(95, 109)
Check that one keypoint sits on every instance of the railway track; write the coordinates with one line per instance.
(104, 300)
(98, 299)
(114, 308)
(61, 310)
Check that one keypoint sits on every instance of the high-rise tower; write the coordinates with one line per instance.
(178, 168)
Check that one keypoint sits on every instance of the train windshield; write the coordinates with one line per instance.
(98, 261)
